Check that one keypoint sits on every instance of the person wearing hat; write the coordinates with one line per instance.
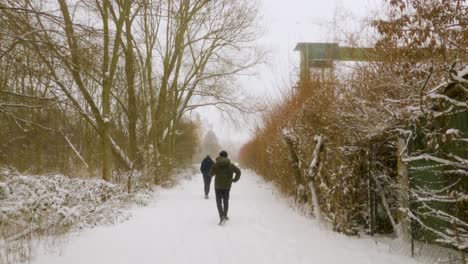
(223, 171)
(205, 169)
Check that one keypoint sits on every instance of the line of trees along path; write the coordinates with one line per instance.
(107, 84)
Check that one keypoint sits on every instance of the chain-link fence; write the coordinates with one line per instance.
(428, 212)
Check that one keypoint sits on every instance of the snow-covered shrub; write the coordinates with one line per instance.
(283, 151)
(54, 204)
(362, 118)
(437, 158)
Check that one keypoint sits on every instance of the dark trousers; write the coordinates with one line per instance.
(207, 181)
(222, 201)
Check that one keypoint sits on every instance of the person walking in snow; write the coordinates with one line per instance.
(205, 169)
(223, 171)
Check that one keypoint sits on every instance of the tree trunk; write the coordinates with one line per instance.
(301, 195)
(404, 225)
(130, 74)
(106, 88)
(312, 172)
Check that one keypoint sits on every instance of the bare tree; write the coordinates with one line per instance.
(197, 44)
(128, 71)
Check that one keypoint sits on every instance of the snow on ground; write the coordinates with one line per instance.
(180, 226)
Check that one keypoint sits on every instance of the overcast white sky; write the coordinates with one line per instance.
(286, 22)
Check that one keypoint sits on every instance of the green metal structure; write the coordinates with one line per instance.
(439, 178)
(322, 55)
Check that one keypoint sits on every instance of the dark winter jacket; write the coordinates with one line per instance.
(223, 170)
(206, 165)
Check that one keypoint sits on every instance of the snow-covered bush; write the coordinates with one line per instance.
(362, 119)
(437, 157)
(50, 205)
(305, 149)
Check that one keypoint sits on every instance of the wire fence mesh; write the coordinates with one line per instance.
(420, 222)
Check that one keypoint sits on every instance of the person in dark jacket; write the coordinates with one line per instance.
(223, 170)
(205, 169)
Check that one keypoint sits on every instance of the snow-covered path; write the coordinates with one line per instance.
(180, 226)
